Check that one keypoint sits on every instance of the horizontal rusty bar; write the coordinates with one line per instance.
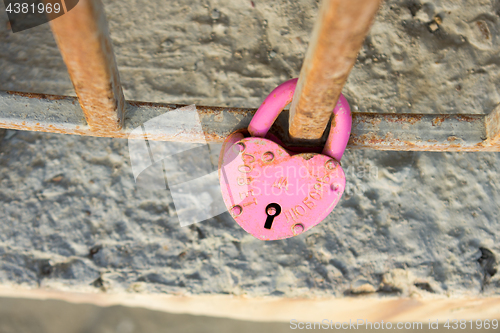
(404, 132)
(417, 132)
(63, 114)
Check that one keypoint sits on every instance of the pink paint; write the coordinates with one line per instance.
(273, 193)
(340, 131)
(270, 109)
(257, 172)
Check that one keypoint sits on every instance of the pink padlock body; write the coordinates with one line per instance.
(257, 172)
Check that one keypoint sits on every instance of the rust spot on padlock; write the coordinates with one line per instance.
(307, 156)
(273, 193)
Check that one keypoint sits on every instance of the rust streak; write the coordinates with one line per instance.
(467, 118)
(38, 96)
(439, 120)
(403, 118)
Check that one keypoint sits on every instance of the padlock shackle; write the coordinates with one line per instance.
(270, 109)
(340, 131)
(281, 96)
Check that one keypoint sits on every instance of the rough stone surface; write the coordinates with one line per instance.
(409, 223)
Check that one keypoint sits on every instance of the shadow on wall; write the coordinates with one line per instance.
(51, 316)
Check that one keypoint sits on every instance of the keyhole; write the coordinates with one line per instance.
(272, 210)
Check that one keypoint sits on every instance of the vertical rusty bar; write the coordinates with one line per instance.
(83, 39)
(338, 35)
(492, 123)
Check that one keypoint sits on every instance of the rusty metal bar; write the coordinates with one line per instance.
(63, 114)
(336, 40)
(83, 39)
(417, 132)
(404, 132)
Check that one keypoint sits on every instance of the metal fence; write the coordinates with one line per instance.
(101, 110)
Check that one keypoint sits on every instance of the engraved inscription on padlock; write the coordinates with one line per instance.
(273, 193)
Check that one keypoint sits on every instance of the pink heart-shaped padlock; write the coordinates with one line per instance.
(272, 193)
